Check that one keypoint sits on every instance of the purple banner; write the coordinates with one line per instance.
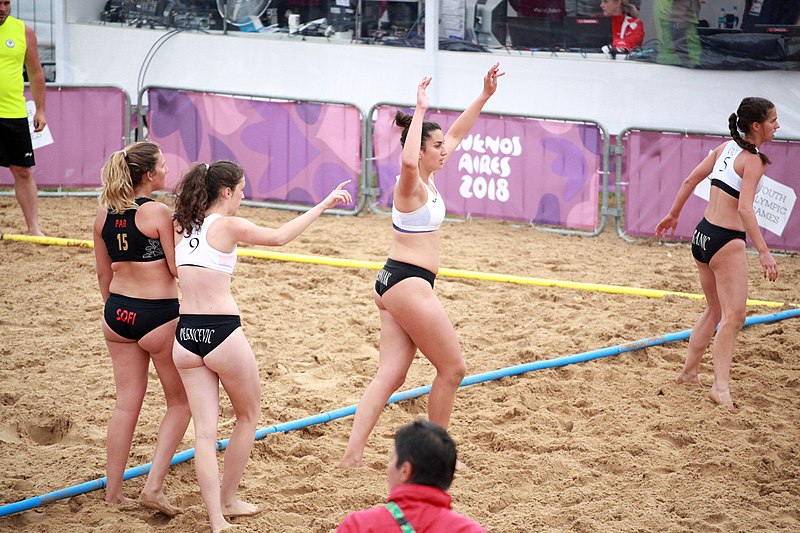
(509, 168)
(86, 124)
(657, 163)
(294, 152)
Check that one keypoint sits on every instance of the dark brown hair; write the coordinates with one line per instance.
(200, 187)
(752, 109)
(404, 121)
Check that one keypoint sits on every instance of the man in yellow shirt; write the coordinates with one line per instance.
(18, 47)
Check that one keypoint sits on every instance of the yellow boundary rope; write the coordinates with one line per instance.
(447, 272)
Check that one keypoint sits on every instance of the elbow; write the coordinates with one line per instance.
(410, 164)
(279, 239)
(745, 211)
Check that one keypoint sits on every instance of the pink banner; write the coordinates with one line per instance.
(87, 124)
(510, 168)
(657, 163)
(294, 152)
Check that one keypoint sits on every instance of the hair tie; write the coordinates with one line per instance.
(207, 167)
(124, 154)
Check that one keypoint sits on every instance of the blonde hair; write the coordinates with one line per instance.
(123, 172)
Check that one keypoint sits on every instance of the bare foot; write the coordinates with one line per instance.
(159, 502)
(348, 463)
(225, 526)
(722, 397)
(689, 378)
(240, 508)
(120, 500)
(35, 233)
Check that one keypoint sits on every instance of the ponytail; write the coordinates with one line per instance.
(751, 110)
(123, 172)
(199, 188)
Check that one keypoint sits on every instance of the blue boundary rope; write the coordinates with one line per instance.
(30, 503)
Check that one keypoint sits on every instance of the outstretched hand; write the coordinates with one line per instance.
(422, 97)
(338, 196)
(490, 80)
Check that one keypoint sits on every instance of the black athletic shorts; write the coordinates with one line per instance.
(133, 318)
(708, 238)
(396, 271)
(15, 143)
(201, 334)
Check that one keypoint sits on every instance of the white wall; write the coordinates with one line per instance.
(617, 94)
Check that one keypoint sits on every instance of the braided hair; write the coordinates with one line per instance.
(752, 109)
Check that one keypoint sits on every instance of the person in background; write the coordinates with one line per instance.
(210, 347)
(718, 245)
(135, 259)
(627, 31)
(419, 472)
(411, 315)
(676, 31)
(18, 47)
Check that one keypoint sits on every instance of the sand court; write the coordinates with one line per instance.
(606, 445)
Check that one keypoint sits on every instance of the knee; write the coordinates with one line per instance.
(714, 315)
(453, 374)
(21, 173)
(249, 415)
(390, 382)
(180, 410)
(205, 434)
(734, 318)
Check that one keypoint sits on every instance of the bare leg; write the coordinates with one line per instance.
(202, 389)
(235, 364)
(130, 364)
(703, 328)
(173, 426)
(397, 352)
(424, 319)
(730, 268)
(27, 197)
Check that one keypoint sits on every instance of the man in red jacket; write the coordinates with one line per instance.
(419, 473)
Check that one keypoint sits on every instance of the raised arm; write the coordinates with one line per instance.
(753, 170)
(409, 169)
(669, 223)
(464, 122)
(242, 230)
(35, 78)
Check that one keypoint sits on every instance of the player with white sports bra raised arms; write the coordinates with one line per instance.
(411, 315)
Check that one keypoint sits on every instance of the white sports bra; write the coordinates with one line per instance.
(723, 175)
(425, 219)
(194, 250)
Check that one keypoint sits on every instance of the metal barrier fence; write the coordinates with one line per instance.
(86, 123)
(293, 152)
(655, 163)
(539, 170)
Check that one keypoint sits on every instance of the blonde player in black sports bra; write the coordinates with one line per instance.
(718, 243)
(133, 248)
(412, 316)
(210, 346)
